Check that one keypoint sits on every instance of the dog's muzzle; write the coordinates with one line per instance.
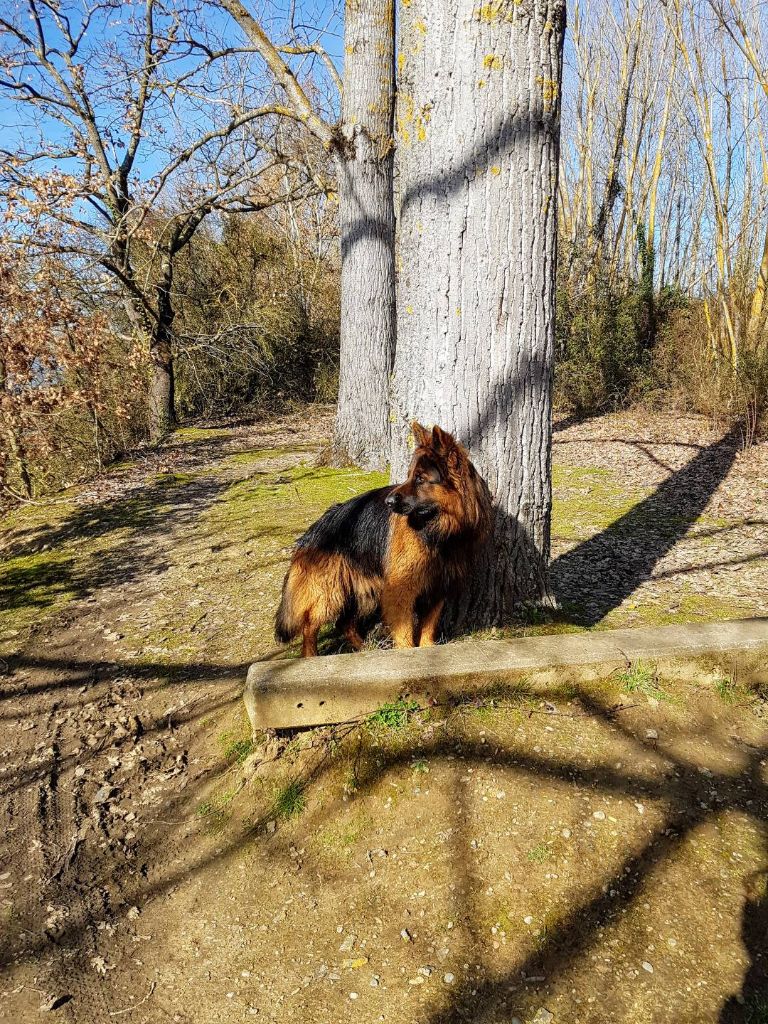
(397, 503)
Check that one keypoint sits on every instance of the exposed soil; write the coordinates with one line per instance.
(600, 856)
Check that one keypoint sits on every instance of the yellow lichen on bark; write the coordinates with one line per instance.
(493, 62)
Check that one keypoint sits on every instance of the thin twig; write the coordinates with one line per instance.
(127, 1009)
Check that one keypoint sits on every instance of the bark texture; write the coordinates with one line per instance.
(477, 133)
(364, 160)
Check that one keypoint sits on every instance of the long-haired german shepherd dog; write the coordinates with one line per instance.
(398, 550)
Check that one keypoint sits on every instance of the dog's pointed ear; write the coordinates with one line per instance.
(420, 434)
(442, 440)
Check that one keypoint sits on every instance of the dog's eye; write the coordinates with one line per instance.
(419, 479)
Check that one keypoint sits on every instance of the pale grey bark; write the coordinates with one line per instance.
(364, 167)
(478, 144)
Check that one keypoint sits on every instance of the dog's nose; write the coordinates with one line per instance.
(392, 500)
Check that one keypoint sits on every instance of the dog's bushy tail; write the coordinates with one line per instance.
(288, 620)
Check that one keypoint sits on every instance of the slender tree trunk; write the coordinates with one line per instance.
(161, 390)
(364, 165)
(20, 458)
(478, 146)
(162, 416)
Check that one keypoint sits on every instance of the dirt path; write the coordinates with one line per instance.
(154, 867)
(96, 736)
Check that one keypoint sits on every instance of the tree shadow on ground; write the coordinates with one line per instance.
(124, 533)
(683, 790)
(600, 573)
(751, 1004)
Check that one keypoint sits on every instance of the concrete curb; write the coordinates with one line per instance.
(294, 693)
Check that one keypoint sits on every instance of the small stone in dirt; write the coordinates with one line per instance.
(353, 965)
(528, 919)
(374, 982)
(542, 1016)
(449, 979)
(647, 967)
(566, 833)
(599, 815)
(353, 995)
(651, 734)
(103, 794)
(640, 808)
(133, 913)
(348, 944)
(100, 965)
(79, 772)
(426, 971)
(406, 936)
(271, 826)
(416, 981)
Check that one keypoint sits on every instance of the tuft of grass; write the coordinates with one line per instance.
(726, 690)
(215, 812)
(289, 801)
(538, 854)
(638, 678)
(642, 678)
(238, 750)
(393, 716)
(420, 766)
(236, 743)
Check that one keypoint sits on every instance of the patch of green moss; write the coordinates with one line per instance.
(292, 499)
(236, 743)
(587, 499)
(58, 552)
(687, 608)
(392, 716)
(186, 435)
(30, 585)
(216, 811)
(247, 458)
(223, 611)
(344, 835)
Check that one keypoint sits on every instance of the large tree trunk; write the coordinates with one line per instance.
(478, 147)
(364, 165)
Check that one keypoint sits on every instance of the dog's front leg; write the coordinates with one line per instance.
(397, 610)
(429, 623)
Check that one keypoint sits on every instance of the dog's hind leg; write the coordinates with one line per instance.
(309, 639)
(352, 635)
(429, 624)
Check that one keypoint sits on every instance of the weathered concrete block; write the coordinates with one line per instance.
(292, 693)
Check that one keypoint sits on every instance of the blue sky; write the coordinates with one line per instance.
(17, 128)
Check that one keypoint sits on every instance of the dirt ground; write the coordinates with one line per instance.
(598, 856)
